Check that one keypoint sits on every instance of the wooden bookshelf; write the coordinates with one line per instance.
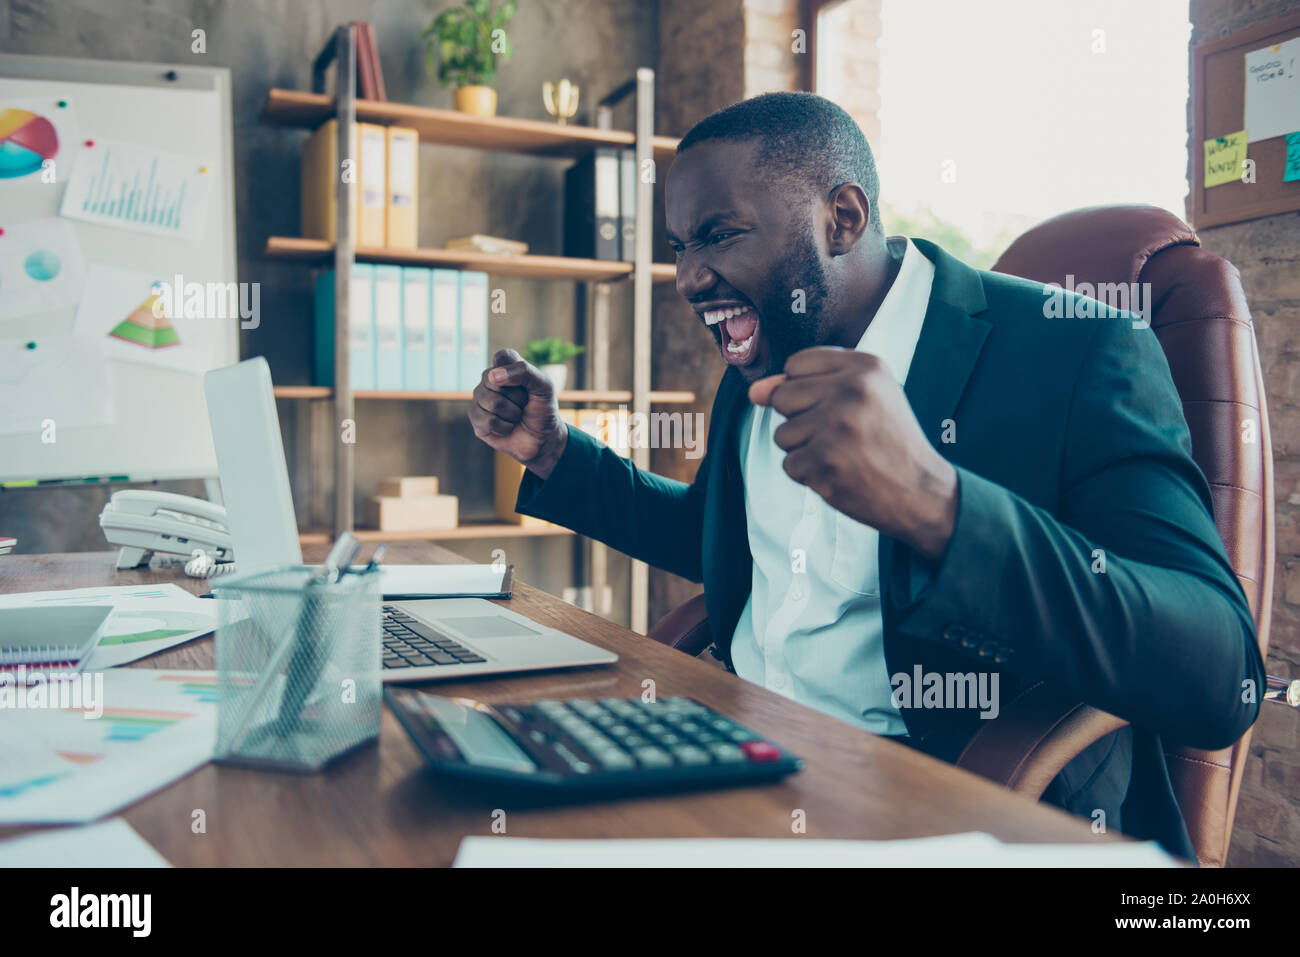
(308, 110)
(505, 134)
(318, 252)
(568, 395)
(466, 532)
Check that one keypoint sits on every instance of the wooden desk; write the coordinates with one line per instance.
(380, 806)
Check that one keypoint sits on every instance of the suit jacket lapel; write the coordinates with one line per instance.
(727, 562)
(949, 345)
(946, 352)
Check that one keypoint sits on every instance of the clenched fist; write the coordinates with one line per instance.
(851, 437)
(514, 410)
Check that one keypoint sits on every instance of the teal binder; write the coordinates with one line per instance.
(361, 357)
(473, 328)
(445, 298)
(388, 327)
(417, 329)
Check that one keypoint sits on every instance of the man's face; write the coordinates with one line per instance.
(748, 258)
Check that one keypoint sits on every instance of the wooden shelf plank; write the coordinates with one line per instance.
(296, 108)
(318, 251)
(303, 391)
(568, 395)
(470, 530)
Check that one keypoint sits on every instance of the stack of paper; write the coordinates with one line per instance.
(948, 850)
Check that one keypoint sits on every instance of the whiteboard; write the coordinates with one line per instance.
(80, 399)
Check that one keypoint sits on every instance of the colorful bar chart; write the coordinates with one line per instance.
(75, 764)
(132, 187)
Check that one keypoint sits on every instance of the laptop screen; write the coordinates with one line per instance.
(250, 460)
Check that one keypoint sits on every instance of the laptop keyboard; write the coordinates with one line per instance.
(410, 643)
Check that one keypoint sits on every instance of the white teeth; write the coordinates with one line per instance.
(738, 347)
(714, 316)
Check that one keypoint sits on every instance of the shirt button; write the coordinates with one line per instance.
(778, 682)
(797, 593)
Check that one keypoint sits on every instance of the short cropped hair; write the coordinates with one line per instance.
(804, 139)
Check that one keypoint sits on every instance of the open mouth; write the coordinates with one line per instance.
(738, 326)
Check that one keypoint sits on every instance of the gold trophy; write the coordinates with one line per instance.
(561, 100)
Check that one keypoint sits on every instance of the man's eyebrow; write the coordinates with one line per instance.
(704, 227)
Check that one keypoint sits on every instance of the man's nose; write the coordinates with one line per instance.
(693, 277)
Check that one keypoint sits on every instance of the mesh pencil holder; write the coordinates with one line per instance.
(298, 668)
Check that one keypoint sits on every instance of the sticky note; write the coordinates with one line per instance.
(1291, 171)
(1223, 158)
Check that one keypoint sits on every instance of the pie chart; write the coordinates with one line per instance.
(26, 140)
(42, 265)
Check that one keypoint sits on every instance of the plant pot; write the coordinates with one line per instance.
(558, 374)
(476, 100)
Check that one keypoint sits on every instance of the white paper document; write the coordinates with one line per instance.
(136, 317)
(114, 843)
(56, 383)
(949, 850)
(42, 271)
(1272, 91)
(139, 188)
(146, 619)
(128, 733)
(442, 581)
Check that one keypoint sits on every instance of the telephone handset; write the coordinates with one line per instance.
(143, 521)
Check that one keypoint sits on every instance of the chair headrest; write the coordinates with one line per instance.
(1095, 245)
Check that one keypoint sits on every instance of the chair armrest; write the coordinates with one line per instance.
(1034, 737)
(685, 628)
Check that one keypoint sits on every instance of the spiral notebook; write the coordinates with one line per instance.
(51, 636)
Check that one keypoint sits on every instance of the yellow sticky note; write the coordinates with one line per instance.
(1224, 156)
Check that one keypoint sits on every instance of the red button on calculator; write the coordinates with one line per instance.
(760, 750)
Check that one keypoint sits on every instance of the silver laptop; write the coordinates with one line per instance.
(423, 640)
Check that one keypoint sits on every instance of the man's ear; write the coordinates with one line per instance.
(850, 218)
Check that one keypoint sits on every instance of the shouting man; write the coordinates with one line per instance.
(911, 471)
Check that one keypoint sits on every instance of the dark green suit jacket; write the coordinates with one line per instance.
(1070, 446)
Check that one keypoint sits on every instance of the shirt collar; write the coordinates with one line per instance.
(893, 331)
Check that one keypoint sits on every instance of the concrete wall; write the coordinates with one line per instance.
(1267, 253)
(269, 43)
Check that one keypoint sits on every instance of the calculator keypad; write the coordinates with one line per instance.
(583, 735)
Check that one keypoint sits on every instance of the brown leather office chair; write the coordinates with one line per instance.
(1199, 315)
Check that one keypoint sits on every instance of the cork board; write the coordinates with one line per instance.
(1218, 108)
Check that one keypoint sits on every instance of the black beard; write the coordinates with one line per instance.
(784, 330)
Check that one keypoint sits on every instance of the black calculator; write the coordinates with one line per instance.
(586, 745)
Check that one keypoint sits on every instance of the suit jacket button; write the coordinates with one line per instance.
(987, 649)
(970, 639)
(953, 633)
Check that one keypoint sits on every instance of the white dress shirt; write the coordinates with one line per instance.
(812, 628)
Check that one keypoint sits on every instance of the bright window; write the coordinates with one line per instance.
(991, 117)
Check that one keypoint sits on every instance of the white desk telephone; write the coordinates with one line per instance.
(142, 522)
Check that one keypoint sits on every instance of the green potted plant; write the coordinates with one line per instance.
(551, 355)
(461, 46)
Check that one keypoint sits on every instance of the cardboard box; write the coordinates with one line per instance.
(409, 486)
(427, 513)
(509, 474)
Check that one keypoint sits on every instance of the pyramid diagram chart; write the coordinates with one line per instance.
(144, 327)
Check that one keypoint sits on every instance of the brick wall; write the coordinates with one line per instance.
(1267, 253)
(710, 56)
(771, 65)
(849, 38)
